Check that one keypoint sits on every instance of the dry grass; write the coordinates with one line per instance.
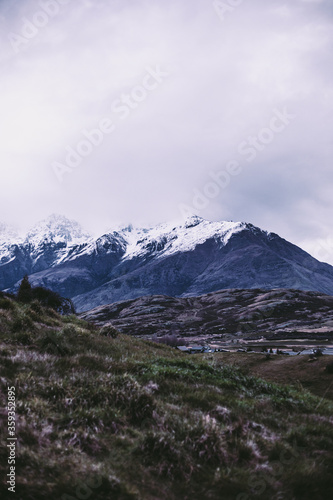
(120, 418)
(294, 370)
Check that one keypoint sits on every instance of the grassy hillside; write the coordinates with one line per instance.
(294, 370)
(120, 418)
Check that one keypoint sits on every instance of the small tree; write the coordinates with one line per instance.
(24, 293)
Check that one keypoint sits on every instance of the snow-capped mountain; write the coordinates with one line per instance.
(8, 235)
(168, 239)
(56, 229)
(9, 238)
(51, 241)
(187, 259)
(44, 246)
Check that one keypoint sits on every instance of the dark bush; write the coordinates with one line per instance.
(22, 323)
(329, 367)
(23, 338)
(164, 454)
(109, 330)
(141, 408)
(36, 306)
(6, 295)
(24, 293)
(45, 297)
(6, 303)
(54, 344)
(51, 299)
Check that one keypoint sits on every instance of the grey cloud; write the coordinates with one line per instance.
(225, 81)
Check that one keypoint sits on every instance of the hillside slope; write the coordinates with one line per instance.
(221, 313)
(119, 418)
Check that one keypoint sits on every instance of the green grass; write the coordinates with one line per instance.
(121, 418)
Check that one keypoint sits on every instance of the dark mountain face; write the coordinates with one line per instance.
(248, 260)
(188, 260)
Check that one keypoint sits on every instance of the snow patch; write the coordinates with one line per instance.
(168, 239)
(56, 229)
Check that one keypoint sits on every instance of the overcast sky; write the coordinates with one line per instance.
(223, 109)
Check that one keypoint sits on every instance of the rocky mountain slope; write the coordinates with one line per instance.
(221, 313)
(190, 259)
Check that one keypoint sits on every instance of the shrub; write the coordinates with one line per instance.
(69, 330)
(45, 297)
(141, 408)
(54, 343)
(329, 367)
(109, 330)
(6, 303)
(24, 293)
(206, 442)
(22, 322)
(161, 452)
(51, 299)
(23, 338)
(36, 307)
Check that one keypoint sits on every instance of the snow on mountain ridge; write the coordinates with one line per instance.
(9, 235)
(169, 239)
(57, 229)
(163, 239)
(72, 241)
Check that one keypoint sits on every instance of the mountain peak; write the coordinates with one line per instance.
(8, 234)
(193, 220)
(57, 228)
(167, 239)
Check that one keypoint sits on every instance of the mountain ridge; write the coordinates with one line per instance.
(188, 259)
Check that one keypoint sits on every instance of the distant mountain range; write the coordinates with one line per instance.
(189, 259)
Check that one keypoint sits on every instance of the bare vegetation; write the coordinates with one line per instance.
(102, 416)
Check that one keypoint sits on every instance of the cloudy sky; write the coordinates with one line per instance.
(116, 111)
